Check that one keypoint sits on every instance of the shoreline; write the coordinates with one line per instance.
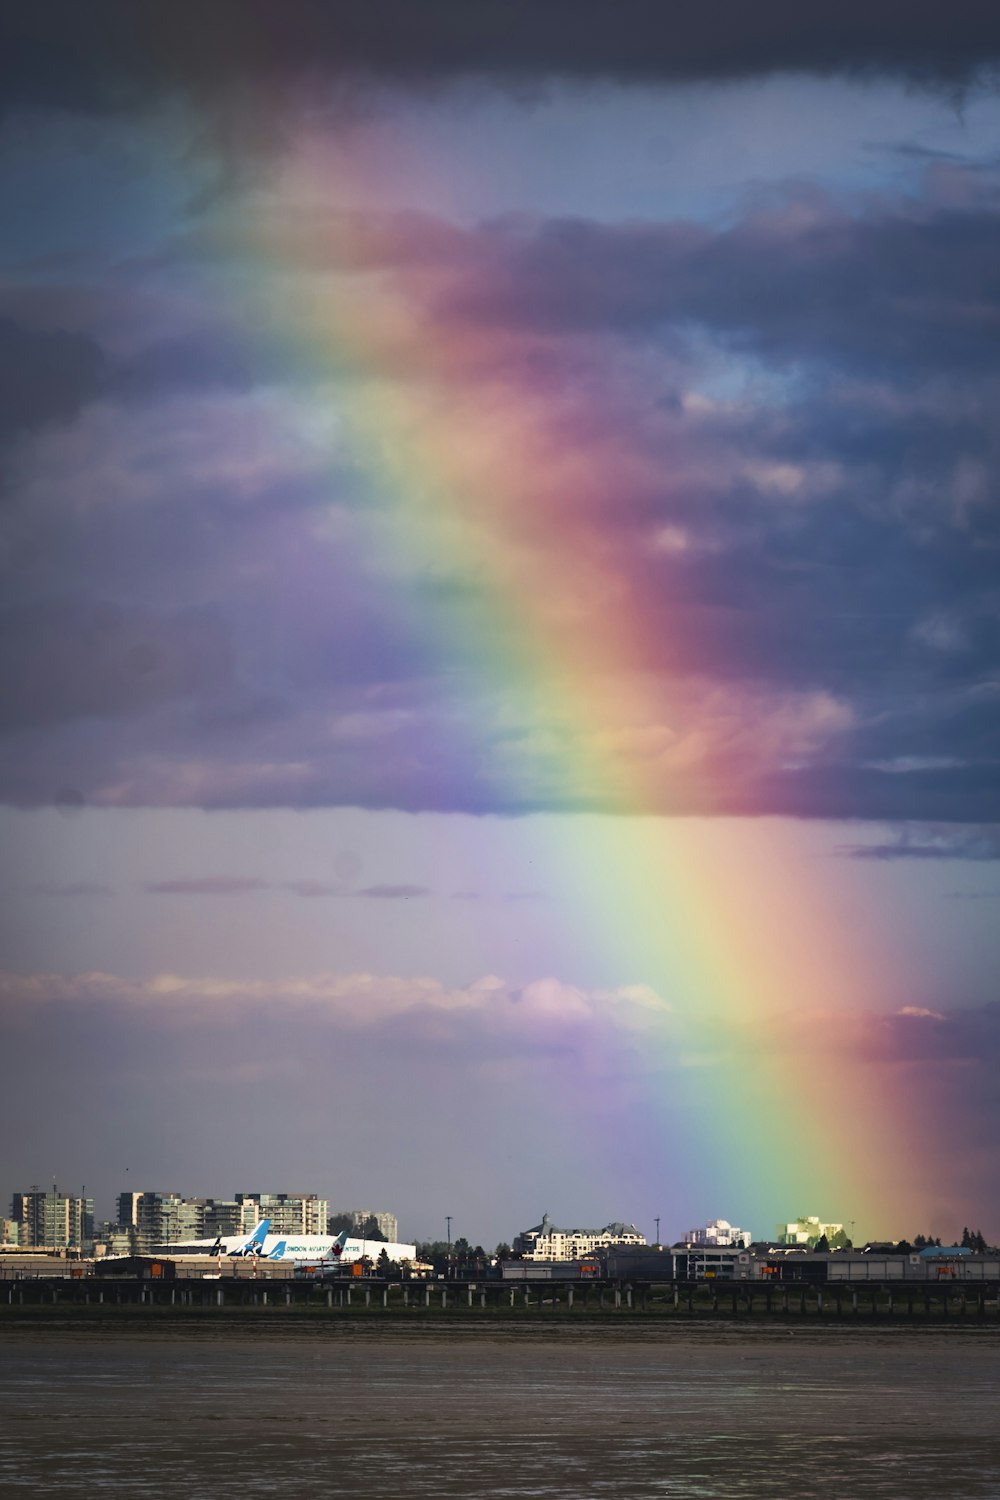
(314, 1322)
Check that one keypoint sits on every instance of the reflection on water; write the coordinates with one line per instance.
(692, 1412)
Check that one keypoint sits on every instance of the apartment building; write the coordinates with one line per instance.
(152, 1218)
(289, 1213)
(53, 1219)
(546, 1242)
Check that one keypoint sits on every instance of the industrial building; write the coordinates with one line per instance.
(711, 1262)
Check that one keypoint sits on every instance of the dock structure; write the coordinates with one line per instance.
(164, 1285)
(643, 1282)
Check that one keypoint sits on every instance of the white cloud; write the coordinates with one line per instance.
(353, 1001)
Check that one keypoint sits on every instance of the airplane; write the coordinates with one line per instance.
(262, 1245)
(338, 1247)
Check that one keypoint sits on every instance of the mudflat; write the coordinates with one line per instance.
(365, 1408)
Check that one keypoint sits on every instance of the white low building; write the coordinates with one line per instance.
(719, 1232)
(546, 1242)
(806, 1231)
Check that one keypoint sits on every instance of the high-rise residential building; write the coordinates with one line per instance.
(113, 1238)
(289, 1213)
(128, 1207)
(223, 1217)
(357, 1220)
(53, 1219)
(188, 1219)
(154, 1219)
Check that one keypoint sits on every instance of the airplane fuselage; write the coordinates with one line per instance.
(261, 1245)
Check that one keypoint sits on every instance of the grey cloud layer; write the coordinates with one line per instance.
(197, 614)
(312, 1021)
(45, 376)
(904, 289)
(110, 54)
(397, 1067)
(241, 885)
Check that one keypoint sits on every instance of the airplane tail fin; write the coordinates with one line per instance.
(254, 1243)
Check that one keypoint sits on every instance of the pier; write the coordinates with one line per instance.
(841, 1302)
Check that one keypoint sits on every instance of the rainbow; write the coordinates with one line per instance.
(489, 469)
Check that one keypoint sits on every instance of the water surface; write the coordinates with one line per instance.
(682, 1412)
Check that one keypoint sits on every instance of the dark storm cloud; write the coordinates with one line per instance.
(61, 661)
(899, 290)
(842, 789)
(45, 376)
(48, 374)
(211, 359)
(929, 841)
(111, 54)
(814, 561)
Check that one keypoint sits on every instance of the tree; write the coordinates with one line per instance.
(436, 1252)
(370, 1230)
(502, 1251)
(386, 1267)
(822, 1245)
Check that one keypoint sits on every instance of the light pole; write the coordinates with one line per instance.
(448, 1222)
(657, 1229)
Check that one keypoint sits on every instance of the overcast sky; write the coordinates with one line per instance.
(501, 605)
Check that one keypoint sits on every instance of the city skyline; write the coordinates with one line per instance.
(150, 1219)
(500, 667)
